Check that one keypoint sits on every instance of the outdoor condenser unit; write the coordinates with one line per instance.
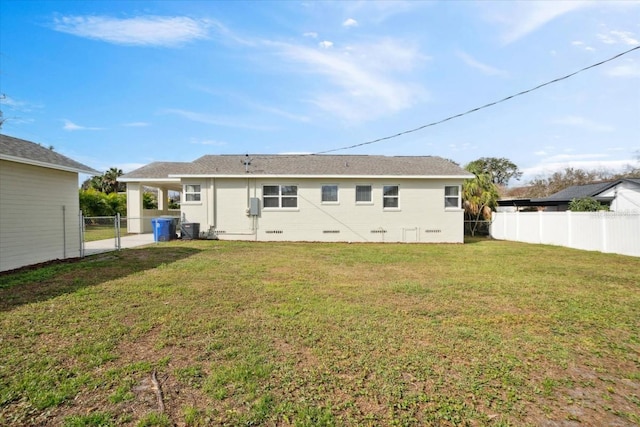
(189, 230)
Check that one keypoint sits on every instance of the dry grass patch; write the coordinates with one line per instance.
(487, 333)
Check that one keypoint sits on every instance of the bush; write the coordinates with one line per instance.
(97, 203)
(587, 204)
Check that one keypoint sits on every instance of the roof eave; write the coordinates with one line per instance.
(319, 176)
(31, 162)
(121, 179)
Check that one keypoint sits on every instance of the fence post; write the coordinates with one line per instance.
(603, 231)
(540, 226)
(117, 224)
(569, 230)
(81, 226)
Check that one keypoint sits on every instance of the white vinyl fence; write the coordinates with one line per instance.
(615, 232)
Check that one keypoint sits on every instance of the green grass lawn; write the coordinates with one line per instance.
(101, 232)
(294, 334)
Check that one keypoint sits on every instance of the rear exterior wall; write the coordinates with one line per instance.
(420, 217)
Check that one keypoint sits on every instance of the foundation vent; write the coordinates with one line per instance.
(273, 231)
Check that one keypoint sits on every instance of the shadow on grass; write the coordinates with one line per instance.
(42, 282)
(477, 239)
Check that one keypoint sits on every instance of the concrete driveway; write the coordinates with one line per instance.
(132, 241)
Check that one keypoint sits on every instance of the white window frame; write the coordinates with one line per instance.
(364, 202)
(385, 198)
(279, 197)
(330, 202)
(195, 193)
(457, 197)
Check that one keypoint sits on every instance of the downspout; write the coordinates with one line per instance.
(215, 205)
(81, 233)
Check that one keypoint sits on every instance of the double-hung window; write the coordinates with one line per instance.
(329, 194)
(452, 197)
(192, 193)
(363, 194)
(390, 197)
(280, 196)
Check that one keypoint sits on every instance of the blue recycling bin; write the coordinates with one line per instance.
(161, 229)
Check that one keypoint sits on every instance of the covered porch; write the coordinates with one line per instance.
(139, 218)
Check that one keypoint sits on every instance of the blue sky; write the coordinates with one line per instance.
(125, 83)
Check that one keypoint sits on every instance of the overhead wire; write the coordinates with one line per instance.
(473, 110)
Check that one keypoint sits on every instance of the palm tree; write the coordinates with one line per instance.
(480, 197)
(110, 182)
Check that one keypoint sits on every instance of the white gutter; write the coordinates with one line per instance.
(322, 176)
(150, 179)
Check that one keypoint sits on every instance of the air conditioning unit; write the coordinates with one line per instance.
(190, 230)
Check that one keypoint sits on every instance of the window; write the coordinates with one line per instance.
(390, 197)
(329, 194)
(192, 193)
(363, 194)
(452, 197)
(280, 196)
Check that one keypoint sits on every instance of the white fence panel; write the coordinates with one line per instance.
(554, 231)
(595, 231)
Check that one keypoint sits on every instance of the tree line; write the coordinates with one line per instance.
(480, 194)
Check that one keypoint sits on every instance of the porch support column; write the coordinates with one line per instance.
(162, 200)
(134, 207)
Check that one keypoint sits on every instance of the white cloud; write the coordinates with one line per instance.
(141, 31)
(311, 34)
(218, 120)
(518, 19)
(363, 77)
(618, 37)
(208, 142)
(350, 23)
(136, 124)
(70, 126)
(583, 123)
(589, 162)
(582, 45)
(325, 44)
(484, 68)
(631, 69)
(14, 104)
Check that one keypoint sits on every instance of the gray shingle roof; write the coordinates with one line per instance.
(304, 165)
(582, 191)
(22, 151)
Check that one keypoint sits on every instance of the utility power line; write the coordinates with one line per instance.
(473, 110)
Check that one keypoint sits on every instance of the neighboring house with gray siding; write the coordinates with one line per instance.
(347, 198)
(39, 204)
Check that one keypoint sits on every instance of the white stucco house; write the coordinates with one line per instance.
(39, 204)
(329, 198)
